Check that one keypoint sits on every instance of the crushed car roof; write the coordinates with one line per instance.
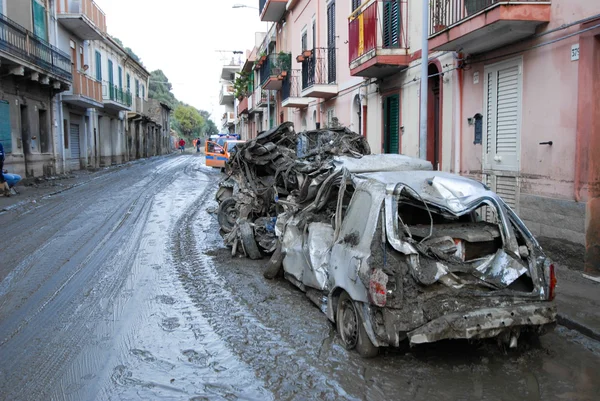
(454, 192)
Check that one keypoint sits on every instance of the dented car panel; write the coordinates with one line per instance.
(424, 255)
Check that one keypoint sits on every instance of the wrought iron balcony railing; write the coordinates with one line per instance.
(119, 95)
(292, 85)
(319, 68)
(445, 13)
(22, 44)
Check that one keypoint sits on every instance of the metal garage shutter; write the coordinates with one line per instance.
(74, 146)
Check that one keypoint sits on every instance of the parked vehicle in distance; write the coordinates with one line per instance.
(218, 150)
(415, 255)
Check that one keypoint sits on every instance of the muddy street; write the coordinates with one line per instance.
(121, 289)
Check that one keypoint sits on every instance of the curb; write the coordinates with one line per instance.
(574, 325)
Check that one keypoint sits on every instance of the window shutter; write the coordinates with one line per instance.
(98, 66)
(331, 59)
(502, 91)
(507, 111)
(355, 4)
(128, 83)
(111, 78)
(120, 78)
(5, 132)
(394, 123)
(39, 20)
(391, 23)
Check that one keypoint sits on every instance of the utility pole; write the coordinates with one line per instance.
(424, 80)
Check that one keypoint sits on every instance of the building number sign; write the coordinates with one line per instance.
(575, 52)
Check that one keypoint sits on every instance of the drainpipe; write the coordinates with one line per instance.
(458, 116)
(318, 23)
(424, 79)
(59, 126)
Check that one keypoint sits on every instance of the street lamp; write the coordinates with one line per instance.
(244, 6)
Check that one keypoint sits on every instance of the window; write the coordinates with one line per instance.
(314, 34)
(331, 59)
(111, 78)
(391, 24)
(304, 41)
(137, 88)
(81, 58)
(143, 92)
(120, 78)
(128, 83)
(39, 20)
(355, 4)
(2, 7)
(98, 66)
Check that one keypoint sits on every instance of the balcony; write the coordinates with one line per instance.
(291, 91)
(243, 106)
(271, 10)
(82, 17)
(226, 95)
(228, 119)
(477, 26)
(378, 39)
(259, 101)
(21, 49)
(116, 98)
(273, 69)
(86, 92)
(319, 74)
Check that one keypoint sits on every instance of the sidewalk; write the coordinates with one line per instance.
(32, 190)
(578, 301)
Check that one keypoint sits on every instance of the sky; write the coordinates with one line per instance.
(182, 38)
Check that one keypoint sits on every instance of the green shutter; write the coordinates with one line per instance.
(392, 124)
(391, 24)
(128, 83)
(120, 78)
(39, 21)
(98, 66)
(5, 134)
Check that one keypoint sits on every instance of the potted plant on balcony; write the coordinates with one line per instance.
(439, 10)
(307, 53)
(300, 58)
(240, 85)
(285, 62)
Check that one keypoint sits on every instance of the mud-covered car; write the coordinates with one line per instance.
(416, 255)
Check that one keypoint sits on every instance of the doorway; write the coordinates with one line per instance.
(391, 124)
(25, 138)
(434, 117)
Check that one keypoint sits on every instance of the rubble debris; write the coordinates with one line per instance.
(279, 169)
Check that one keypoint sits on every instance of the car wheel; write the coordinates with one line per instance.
(227, 214)
(247, 234)
(351, 329)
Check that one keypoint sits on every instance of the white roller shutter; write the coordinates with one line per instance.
(502, 120)
(74, 146)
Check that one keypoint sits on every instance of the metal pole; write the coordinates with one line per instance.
(424, 80)
(268, 110)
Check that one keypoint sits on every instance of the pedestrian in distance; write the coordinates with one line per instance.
(198, 143)
(3, 184)
(182, 145)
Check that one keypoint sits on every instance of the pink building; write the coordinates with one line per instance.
(512, 100)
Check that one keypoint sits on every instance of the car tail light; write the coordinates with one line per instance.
(552, 283)
(378, 287)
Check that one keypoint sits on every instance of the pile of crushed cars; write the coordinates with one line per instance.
(277, 170)
(390, 250)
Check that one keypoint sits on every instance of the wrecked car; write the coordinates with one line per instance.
(393, 252)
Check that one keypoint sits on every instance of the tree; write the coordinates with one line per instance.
(189, 120)
(160, 89)
(128, 50)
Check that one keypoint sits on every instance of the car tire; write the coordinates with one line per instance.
(351, 329)
(227, 214)
(250, 246)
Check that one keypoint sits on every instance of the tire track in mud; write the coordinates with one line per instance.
(284, 368)
(63, 316)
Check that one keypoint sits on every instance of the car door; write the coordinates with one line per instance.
(352, 248)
